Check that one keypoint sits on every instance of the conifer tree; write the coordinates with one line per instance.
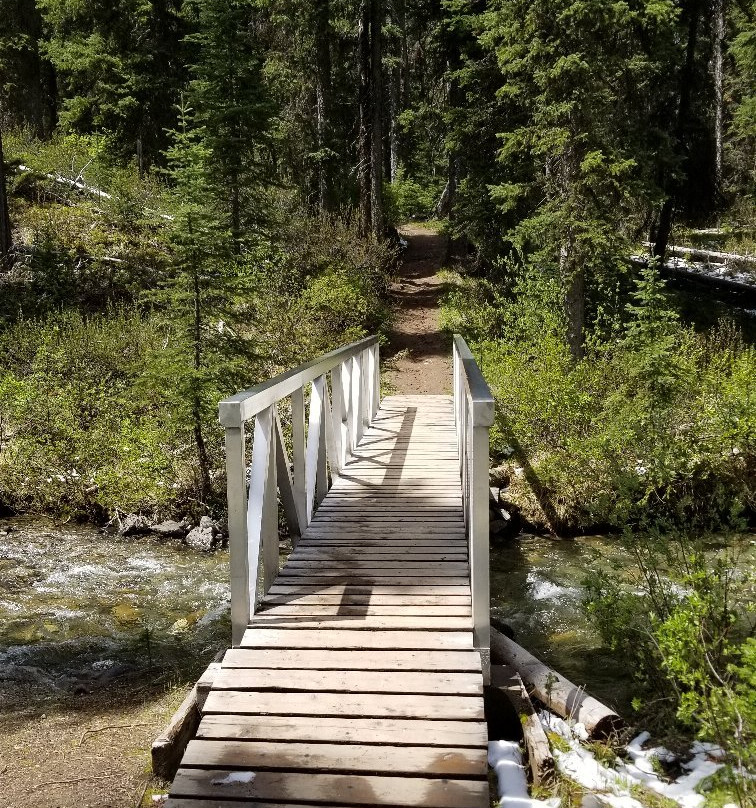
(232, 106)
(203, 300)
(119, 68)
(578, 146)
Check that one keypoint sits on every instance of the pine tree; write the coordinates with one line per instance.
(578, 146)
(119, 69)
(233, 108)
(203, 300)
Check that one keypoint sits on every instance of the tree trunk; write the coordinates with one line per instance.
(6, 241)
(393, 126)
(199, 439)
(33, 100)
(718, 69)
(573, 282)
(376, 134)
(666, 215)
(322, 97)
(558, 694)
(365, 117)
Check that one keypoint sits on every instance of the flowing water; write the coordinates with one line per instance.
(537, 588)
(78, 607)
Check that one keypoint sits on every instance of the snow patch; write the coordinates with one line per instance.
(234, 777)
(505, 758)
(615, 784)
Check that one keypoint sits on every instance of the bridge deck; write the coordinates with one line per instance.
(357, 682)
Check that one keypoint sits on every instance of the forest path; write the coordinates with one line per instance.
(420, 350)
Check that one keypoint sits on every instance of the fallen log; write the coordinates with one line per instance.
(168, 749)
(553, 690)
(698, 254)
(540, 759)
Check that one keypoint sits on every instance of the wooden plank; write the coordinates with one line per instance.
(372, 544)
(369, 569)
(365, 578)
(348, 600)
(344, 758)
(357, 705)
(356, 681)
(397, 622)
(399, 553)
(364, 610)
(395, 731)
(388, 529)
(332, 789)
(386, 525)
(340, 660)
(363, 588)
(346, 639)
(296, 567)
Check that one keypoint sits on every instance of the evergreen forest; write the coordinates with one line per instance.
(196, 195)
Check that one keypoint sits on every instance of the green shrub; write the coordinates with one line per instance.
(657, 423)
(80, 431)
(682, 624)
(406, 198)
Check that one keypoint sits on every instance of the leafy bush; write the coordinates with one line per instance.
(322, 287)
(100, 412)
(80, 432)
(682, 624)
(657, 422)
(405, 198)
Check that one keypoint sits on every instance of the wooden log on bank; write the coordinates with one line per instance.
(168, 749)
(554, 690)
(540, 759)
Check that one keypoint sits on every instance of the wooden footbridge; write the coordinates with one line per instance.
(357, 668)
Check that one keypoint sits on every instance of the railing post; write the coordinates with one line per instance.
(479, 537)
(375, 403)
(298, 455)
(236, 475)
(347, 436)
(316, 474)
(269, 537)
(321, 475)
(367, 393)
(258, 511)
(356, 399)
(336, 421)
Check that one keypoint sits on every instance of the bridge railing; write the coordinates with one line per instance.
(344, 395)
(474, 416)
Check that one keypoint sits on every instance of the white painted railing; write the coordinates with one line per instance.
(344, 398)
(474, 416)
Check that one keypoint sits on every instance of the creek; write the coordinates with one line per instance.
(78, 607)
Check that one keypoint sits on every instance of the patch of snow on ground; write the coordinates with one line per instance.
(505, 758)
(615, 784)
(234, 777)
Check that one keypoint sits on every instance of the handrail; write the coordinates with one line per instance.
(243, 406)
(473, 416)
(339, 412)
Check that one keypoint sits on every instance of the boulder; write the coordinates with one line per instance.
(134, 524)
(170, 529)
(205, 536)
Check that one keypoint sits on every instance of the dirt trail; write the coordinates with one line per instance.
(423, 352)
